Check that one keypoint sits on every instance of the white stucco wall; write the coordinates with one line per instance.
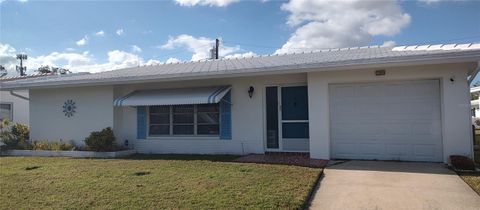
(95, 111)
(48, 122)
(247, 117)
(455, 102)
(20, 105)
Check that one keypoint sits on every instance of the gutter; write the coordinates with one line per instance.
(19, 96)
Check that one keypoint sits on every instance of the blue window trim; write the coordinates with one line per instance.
(226, 117)
(141, 122)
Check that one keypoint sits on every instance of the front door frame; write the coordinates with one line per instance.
(280, 120)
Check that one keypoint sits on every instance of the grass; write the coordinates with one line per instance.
(476, 153)
(472, 179)
(151, 182)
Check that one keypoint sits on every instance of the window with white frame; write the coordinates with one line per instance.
(184, 120)
(6, 111)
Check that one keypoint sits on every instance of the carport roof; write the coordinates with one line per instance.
(321, 60)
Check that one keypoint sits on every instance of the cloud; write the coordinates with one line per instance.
(198, 46)
(332, 24)
(116, 59)
(136, 49)
(75, 62)
(85, 62)
(389, 44)
(8, 57)
(55, 58)
(211, 3)
(82, 41)
(100, 33)
(152, 62)
(22, 1)
(172, 60)
(429, 1)
(120, 32)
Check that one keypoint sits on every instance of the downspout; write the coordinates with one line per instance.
(19, 96)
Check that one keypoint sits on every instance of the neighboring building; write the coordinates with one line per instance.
(14, 105)
(475, 103)
(403, 103)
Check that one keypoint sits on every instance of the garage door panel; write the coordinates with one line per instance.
(371, 149)
(424, 150)
(397, 149)
(386, 121)
(344, 148)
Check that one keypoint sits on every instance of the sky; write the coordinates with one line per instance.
(97, 36)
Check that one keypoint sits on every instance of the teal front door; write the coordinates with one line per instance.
(287, 118)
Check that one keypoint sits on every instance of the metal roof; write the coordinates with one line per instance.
(202, 95)
(270, 64)
(11, 78)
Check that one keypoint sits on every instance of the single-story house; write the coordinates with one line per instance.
(14, 105)
(385, 103)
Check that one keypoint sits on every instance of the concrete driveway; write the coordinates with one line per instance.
(380, 185)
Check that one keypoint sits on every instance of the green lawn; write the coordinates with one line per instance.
(476, 153)
(151, 182)
(472, 179)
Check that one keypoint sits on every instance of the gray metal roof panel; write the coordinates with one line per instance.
(323, 58)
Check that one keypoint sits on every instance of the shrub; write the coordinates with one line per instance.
(101, 141)
(16, 137)
(52, 145)
(462, 162)
(20, 131)
(476, 122)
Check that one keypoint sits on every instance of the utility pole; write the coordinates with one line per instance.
(22, 69)
(214, 50)
(217, 44)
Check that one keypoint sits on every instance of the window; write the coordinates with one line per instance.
(207, 119)
(159, 120)
(6, 111)
(184, 120)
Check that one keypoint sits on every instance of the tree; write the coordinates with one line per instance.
(52, 70)
(3, 71)
(60, 70)
(4, 123)
(44, 69)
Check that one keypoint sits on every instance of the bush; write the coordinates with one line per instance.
(101, 141)
(20, 131)
(52, 145)
(462, 162)
(16, 137)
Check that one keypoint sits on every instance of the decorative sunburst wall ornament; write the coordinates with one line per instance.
(69, 108)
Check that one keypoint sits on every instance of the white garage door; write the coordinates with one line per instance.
(386, 121)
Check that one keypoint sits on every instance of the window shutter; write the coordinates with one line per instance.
(226, 117)
(141, 122)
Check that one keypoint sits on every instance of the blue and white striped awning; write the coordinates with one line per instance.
(183, 96)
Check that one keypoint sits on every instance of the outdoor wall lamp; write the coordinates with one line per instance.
(250, 91)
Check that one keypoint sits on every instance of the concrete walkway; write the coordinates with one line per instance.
(378, 185)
